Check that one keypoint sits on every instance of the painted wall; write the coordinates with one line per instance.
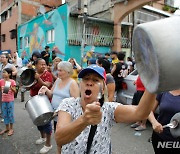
(58, 20)
(75, 52)
(36, 30)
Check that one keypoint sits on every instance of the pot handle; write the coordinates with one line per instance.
(54, 115)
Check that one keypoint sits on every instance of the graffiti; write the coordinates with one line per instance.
(36, 39)
(53, 29)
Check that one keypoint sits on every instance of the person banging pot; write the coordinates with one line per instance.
(76, 115)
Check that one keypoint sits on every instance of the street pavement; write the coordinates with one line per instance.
(124, 139)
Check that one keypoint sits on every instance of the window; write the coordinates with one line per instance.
(9, 12)
(26, 41)
(50, 36)
(13, 33)
(3, 37)
(21, 42)
(4, 16)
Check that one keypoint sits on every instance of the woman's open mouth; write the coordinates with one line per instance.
(88, 93)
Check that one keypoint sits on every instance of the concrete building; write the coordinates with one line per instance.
(15, 12)
(124, 14)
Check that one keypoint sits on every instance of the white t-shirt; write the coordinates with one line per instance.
(101, 142)
(129, 63)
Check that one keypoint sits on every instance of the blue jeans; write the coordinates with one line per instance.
(8, 112)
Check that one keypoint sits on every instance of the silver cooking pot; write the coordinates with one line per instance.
(40, 110)
(6, 87)
(26, 76)
(175, 132)
(157, 53)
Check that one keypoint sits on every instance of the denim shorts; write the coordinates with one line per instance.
(46, 128)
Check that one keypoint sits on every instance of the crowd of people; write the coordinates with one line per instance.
(83, 99)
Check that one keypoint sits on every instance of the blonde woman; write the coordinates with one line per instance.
(64, 87)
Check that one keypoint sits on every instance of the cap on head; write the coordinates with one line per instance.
(93, 69)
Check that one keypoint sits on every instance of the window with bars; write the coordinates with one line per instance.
(96, 33)
(50, 36)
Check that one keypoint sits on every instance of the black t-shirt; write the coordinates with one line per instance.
(118, 75)
(120, 67)
(169, 105)
(45, 55)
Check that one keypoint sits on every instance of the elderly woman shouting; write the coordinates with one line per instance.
(64, 86)
(76, 115)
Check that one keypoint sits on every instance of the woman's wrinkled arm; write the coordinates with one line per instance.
(131, 113)
(66, 130)
(157, 127)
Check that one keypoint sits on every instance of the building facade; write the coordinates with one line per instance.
(15, 12)
(105, 9)
(63, 33)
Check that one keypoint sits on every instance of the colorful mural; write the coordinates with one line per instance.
(48, 29)
(53, 29)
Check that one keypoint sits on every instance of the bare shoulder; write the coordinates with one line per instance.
(73, 82)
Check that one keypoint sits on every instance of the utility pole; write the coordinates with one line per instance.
(84, 30)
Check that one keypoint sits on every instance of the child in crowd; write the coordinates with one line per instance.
(8, 101)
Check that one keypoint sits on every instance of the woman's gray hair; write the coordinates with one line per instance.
(66, 66)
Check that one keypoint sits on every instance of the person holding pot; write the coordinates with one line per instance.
(8, 100)
(4, 59)
(169, 105)
(64, 87)
(43, 78)
(76, 115)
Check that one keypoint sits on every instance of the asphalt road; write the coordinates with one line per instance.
(124, 139)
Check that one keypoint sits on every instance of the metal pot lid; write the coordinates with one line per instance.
(6, 87)
(43, 119)
(27, 77)
(175, 132)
